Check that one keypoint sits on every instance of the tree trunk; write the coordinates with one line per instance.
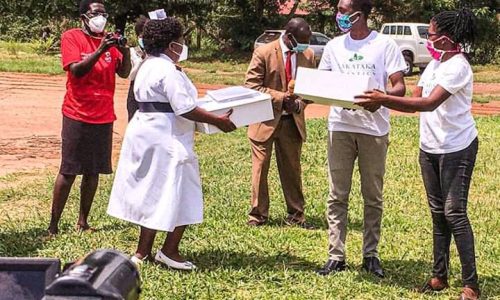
(294, 9)
(121, 22)
(198, 37)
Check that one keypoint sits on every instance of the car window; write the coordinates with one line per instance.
(400, 30)
(268, 37)
(393, 29)
(386, 30)
(422, 31)
(319, 40)
(407, 30)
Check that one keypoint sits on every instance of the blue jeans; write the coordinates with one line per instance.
(447, 180)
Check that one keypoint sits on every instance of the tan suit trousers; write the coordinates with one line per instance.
(288, 142)
(371, 152)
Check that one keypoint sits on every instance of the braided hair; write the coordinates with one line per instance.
(458, 25)
(158, 34)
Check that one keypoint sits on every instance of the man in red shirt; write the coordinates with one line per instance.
(91, 59)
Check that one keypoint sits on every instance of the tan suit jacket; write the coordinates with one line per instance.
(266, 73)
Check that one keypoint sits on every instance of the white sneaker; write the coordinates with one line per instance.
(163, 259)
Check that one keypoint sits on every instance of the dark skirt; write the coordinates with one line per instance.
(132, 105)
(86, 148)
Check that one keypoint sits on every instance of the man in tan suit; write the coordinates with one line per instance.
(272, 68)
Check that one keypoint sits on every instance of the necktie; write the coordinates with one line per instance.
(288, 67)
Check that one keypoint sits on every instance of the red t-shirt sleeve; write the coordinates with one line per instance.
(70, 49)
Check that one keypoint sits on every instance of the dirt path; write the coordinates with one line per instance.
(30, 123)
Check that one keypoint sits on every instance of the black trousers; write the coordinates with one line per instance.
(447, 180)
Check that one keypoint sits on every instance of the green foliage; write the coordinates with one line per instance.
(234, 25)
(49, 46)
(275, 261)
(11, 47)
(487, 47)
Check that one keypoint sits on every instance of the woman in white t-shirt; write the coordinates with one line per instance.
(448, 142)
(157, 182)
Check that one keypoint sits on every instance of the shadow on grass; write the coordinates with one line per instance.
(407, 274)
(22, 243)
(412, 275)
(230, 260)
(318, 222)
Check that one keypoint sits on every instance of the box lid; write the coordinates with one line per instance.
(232, 93)
(210, 105)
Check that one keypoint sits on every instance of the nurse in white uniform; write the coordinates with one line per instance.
(157, 183)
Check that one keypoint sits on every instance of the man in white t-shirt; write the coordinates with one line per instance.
(360, 133)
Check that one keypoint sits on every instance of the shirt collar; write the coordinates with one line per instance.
(284, 48)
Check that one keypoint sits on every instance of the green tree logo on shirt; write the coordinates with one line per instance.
(356, 57)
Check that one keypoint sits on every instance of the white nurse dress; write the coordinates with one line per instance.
(157, 182)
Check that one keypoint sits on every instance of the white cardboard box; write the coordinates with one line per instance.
(245, 111)
(332, 88)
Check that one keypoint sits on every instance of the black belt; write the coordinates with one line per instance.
(151, 107)
(289, 116)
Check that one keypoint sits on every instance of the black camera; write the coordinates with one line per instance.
(101, 275)
(118, 38)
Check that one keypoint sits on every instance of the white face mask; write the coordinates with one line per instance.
(184, 54)
(97, 24)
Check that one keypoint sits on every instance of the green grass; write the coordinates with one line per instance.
(483, 99)
(277, 262)
(487, 73)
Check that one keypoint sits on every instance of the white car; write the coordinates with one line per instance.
(318, 41)
(411, 39)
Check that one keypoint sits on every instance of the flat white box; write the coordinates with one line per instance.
(246, 111)
(331, 88)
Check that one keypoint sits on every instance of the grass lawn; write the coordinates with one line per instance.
(275, 261)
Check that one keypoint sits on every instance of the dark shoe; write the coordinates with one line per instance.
(435, 284)
(255, 223)
(331, 266)
(301, 224)
(372, 265)
(469, 293)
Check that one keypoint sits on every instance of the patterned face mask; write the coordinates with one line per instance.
(344, 21)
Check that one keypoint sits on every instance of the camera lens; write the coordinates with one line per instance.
(122, 41)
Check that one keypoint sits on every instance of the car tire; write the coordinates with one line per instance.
(409, 66)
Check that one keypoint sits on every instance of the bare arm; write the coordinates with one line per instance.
(410, 104)
(126, 64)
(200, 115)
(83, 67)
(398, 85)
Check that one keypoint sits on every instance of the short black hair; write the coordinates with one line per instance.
(364, 6)
(85, 5)
(139, 24)
(297, 24)
(158, 34)
(458, 25)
